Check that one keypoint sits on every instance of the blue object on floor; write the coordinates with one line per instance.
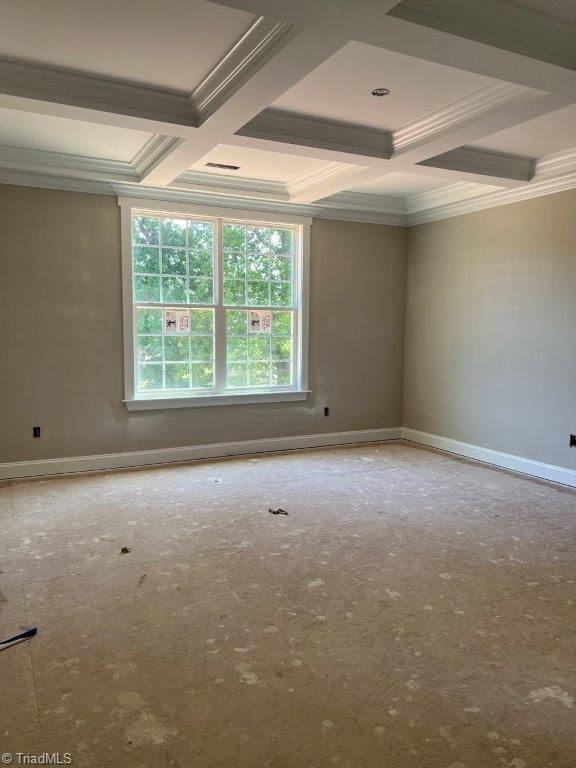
(18, 638)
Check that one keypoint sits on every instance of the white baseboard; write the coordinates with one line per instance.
(488, 456)
(74, 464)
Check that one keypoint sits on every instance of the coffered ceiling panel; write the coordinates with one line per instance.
(340, 89)
(26, 130)
(172, 44)
(401, 185)
(257, 164)
(545, 135)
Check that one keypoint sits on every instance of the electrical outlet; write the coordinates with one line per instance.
(36, 433)
(326, 411)
(572, 441)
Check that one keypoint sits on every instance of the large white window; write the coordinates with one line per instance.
(215, 305)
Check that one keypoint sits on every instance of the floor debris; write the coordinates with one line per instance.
(18, 638)
(125, 550)
(278, 511)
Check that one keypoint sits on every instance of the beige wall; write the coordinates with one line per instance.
(491, 329)
(60, 315)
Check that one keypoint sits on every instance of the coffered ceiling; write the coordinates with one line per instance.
(138, 97)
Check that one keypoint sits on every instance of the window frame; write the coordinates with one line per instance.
(176, 399)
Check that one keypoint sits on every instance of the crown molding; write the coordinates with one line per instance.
(458, 114)
(359, 206)
(102, 94)
(315, 184)
(57, 163)
(294, 128)
(444, 196)
(258, 44)
(235, 186)
(558, 164)
(22, 178)
(485, 162)
(499, 23)
(556, 173)
(154, 149)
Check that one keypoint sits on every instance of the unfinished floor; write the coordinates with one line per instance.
(411, 611)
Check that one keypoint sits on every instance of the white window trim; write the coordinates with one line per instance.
(299, 391)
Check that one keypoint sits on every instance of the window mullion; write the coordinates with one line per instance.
(220, 316)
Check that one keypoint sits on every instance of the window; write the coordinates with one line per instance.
(214, 306)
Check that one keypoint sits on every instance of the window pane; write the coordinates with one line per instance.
(233, 237)
(259, 348)
(150, 376)
(146, 259)
(149, 320)
(281, 294)
(202, 320)
(258, 267)
(149, 348)
(236, 321)
(237, 374)
(282, 348)
(234, 266)
(258, 240)
(201, 235)
(234, 292)
(258, 294)
(200, 291)
(177, 375)
(259, 374)
(280, 268)
(174, 261)
(282, 374)
(259, 262)
(237, 348)
(202, 348)
(174, 290)
(281, 241)
(201, 375)
(145, 230)
(146, 288)
(176, 348)
(201, 263)
(174, 232)
(281, 323)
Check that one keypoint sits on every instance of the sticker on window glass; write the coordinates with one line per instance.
(176, 321)
(260, 321)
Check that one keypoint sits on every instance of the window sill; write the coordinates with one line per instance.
(199, 401)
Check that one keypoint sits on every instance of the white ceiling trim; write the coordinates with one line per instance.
(461, 112)
(294, 128)
(556, 173)
(486, 163)
(553, 174)
(38, 88)
(237, 66)
(154, 149)
(497, 22)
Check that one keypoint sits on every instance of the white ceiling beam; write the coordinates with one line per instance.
(497, 22)
(286, 62)
(45, 90)
(327, 180)
(303, 130)
(368, 21)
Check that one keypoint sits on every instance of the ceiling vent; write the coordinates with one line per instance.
(223, 166)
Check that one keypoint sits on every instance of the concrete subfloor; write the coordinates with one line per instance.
(411, 611)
